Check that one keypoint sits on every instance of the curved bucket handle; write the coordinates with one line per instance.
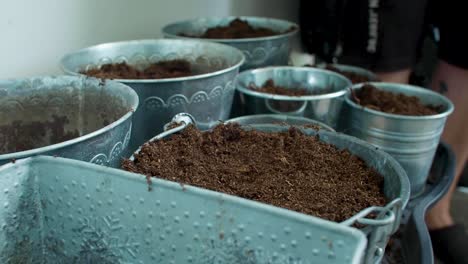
(385, 215)
(181, 121)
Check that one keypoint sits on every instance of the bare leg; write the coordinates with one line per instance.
(401, 76)
(453, 83)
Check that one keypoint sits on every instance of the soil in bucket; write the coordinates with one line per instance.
(20, 135)
(159, 70)
(286, 169)
(237, 29)
(393, 103)
(352, 76)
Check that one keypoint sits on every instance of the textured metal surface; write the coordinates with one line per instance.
(275, 119)
(207, 96)
(64, 211)
(412, 140)
(80, 99)
(259, 52)
(396, 185)
(324, 108)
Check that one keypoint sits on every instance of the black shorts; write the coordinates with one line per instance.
(387, 35)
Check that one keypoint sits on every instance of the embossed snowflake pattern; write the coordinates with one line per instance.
(230, 251)
(104, 235)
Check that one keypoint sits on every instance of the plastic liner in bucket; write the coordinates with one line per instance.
(396, 184)
(74, 117)
(58, 210)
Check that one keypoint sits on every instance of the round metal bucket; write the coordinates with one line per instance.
(259, 52)
(279, 119)
(356, 70)
(207, 96)
(385, 220)
(73, 117)
(412, 140)
(324, 107)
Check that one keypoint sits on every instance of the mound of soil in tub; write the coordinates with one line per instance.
(271, 88)
(286, 169)
(394, 103)
(20, 136)
(237, 29)
(159, 70)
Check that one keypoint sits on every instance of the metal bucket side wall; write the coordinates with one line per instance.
(208, 100)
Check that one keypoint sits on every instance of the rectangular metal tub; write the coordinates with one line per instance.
(55, 210)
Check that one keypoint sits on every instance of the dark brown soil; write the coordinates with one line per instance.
(237, 29)
(288, 169)
(159, 70)
(21, 136)
(394, 103)
(271, 88)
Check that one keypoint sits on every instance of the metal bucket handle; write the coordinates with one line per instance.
(385, 215)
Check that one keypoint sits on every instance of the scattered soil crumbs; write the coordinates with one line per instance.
(288, 169)
(237, 29)
(394, 103)
(159, 70)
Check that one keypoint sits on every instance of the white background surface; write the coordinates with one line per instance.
(35, 34)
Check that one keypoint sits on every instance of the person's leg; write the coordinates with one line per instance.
(452, 81)
(400, 76)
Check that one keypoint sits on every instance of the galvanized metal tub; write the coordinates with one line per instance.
(323, 107)
(100, 132)
(279, 119)
(64, 211)
(396, 185)
(259, 52)
(411, 140)
(208, 95)
(357, 70)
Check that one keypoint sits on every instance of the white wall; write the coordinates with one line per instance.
(34, 35)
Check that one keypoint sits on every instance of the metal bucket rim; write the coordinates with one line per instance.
(248, 91)
(352, 68)
(405, 191)
(32, 152)
(166, 29)
(240, 58)
(445, 101)
(285, 117)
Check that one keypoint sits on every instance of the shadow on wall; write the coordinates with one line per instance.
(288, 10)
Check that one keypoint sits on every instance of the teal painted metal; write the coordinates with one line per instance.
(58, 210)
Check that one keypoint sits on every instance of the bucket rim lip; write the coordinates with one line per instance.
(301, 118)
(157, 41)
(37, 151)
(445, 100)
(285, 35)
(270, 96)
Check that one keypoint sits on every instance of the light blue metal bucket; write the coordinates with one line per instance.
(396, 185)
(324, 107)
(411, 140)
(57, 210)
(207, 95)
(259, 52)
(99, 113)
